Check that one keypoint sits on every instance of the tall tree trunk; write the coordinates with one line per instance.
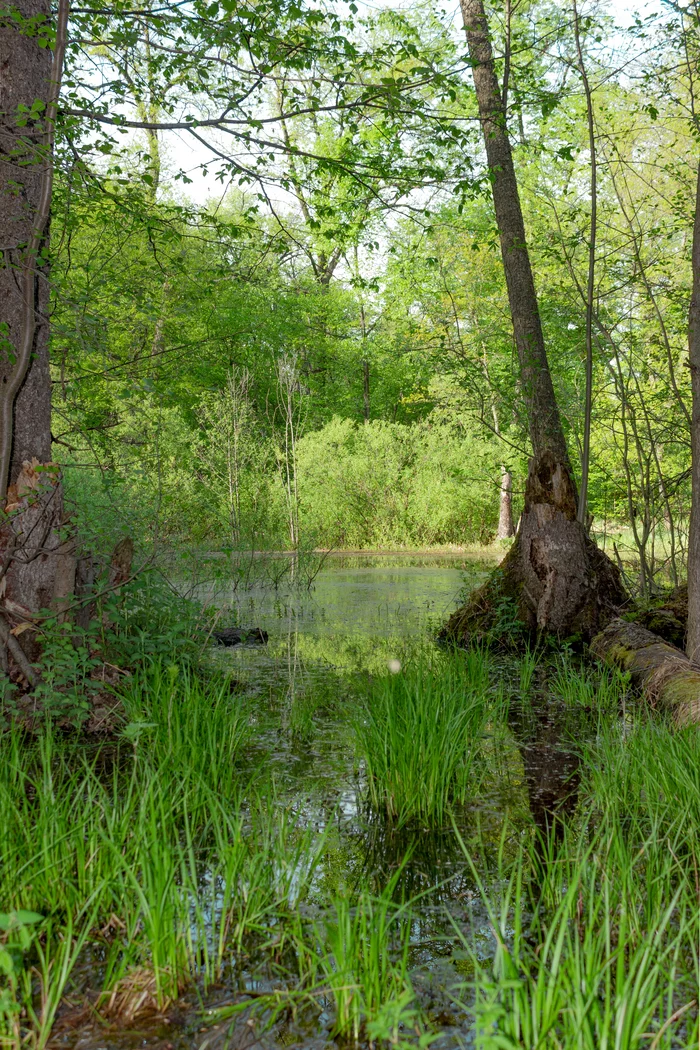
(558, 578)
(693, 636)
(544, 423)
(35, 562)
(590, 286)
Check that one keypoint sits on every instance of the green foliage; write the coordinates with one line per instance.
(598, 688)
(16, 938)
(596, 939)
(69, 662)
(200, 725)
(386, 484)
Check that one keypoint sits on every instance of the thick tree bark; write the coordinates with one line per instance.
(36, 563)
(25, 74)
(693, 635)
(554, 574)
(663, 675)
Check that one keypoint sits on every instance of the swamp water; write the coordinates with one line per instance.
(326, 913)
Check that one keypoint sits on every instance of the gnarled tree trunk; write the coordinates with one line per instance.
(556, 578)
(554, 573)
(37, 563)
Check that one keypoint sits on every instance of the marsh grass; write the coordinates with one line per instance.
(596, 687)
(198, 725)
(158, 850)
(527, 667)
(171, 857)
(596, 940)
(418, 734)
(362, 959)
(351, 962)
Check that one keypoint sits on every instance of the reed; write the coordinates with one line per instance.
(362, 960)
(595, 936)
(418, 735)
(600, 688)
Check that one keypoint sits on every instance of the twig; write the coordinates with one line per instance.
(17, 653)
(674, 1017)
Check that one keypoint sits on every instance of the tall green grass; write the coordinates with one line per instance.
(360, 971)
(352, 963)
(596, 941)
(169, 855)
(597, 687)
(157, 849)
(418, 734)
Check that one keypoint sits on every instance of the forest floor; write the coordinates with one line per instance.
(351, 836)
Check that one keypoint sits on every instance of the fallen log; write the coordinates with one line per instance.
(663, 674)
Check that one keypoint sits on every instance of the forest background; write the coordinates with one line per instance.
(321, 355)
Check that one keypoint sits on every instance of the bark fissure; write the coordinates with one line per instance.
(19, 351)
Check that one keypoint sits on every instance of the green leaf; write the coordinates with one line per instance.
(14, 919)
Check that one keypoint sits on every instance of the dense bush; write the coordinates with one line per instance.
(381, 484)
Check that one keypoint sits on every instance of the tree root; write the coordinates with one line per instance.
(554, 578)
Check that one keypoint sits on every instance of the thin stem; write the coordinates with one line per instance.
(590, 290)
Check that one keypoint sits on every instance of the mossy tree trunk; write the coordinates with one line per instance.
(661, 673)
(555, 574)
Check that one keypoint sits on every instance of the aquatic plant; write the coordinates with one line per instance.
(528, 665)
(595, 936)
(142, 847)
(598, 687)
(418, 733)
(362, 960)
(178, 717)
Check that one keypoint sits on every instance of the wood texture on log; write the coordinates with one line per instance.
(663, 675)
